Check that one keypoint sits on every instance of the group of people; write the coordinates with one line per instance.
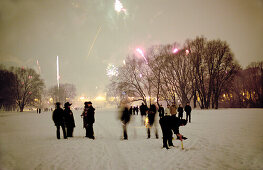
(64, 119)
(173, 110)
(169, 122)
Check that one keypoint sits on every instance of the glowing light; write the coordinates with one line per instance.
(100, 98)
(142, 54)
(140, 51)
(112, 99)
(112, 70)
(186, 52)
(146, 123)
(119, 7)
(175, 50)
(124, 62)
(140, 75)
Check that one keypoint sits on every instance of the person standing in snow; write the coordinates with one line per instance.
(170, 124)
(188, 110)
(173, 109)
(151, 117)
(59, 120)
(125, 117)
(70, 123)
(131, 110)
(180, 111)
(143, 110)
(161, 111)
(88, 119)
(137, 109)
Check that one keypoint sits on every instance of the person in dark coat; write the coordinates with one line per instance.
(88, 119)
(125, 117)
(59, 120)
(170, 124)
(70, 123)
(161, 111)
(151, 117)
(131, 110)
(143, 110)
(188, 110)
(137, 109)
(180, 111)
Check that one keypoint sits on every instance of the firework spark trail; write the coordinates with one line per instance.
(95, 38)
(38, 66)
(141, 53)
(58, 72)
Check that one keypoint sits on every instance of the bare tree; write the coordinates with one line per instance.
(134, 79)
(7, 90)
(214, 69)
(29, 86)
(252, 83)
(201, 70)
(222, 68)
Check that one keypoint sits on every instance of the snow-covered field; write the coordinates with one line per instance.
(217, 139)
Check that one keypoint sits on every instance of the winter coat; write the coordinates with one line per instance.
(161, 111)
(70, 122)
(88, 116)
(173, 110)
(170, 122)
(187, 109)
(180, 111)
(151, 114)
(143, 109)
(58, 117)
(125, 117)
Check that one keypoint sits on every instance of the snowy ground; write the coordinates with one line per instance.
(217, 139)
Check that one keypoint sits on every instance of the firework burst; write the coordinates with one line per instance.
(112, 70)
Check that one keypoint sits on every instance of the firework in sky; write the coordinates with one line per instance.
(112, 70)
(142, 54)
(175, 50)
(119, 7)
(186, 52)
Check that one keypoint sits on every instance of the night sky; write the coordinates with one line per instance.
(32, 30)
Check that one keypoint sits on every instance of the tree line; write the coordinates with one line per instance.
(203, 72)
(21, 87)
